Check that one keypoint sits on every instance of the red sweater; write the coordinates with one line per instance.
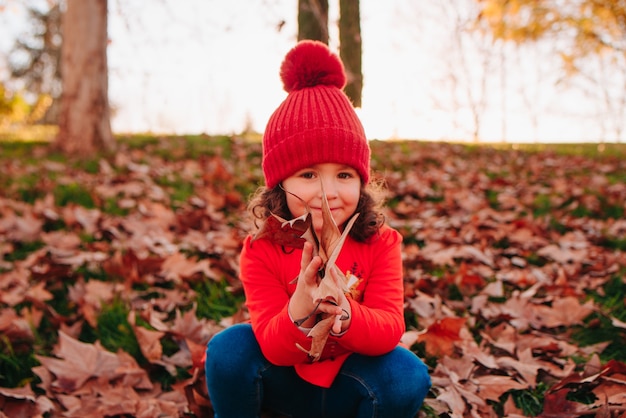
(268, 273)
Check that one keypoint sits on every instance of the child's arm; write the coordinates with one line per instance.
(266, 285)
(377, 322)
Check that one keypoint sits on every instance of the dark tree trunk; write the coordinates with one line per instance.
(84, 122)
(350, 48)
(313, 20)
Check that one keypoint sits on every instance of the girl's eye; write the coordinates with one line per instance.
(345, 175)
(307, 174)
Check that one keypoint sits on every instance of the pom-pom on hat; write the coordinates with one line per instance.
(316, 123)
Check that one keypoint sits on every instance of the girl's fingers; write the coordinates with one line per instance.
(307, 254)
(337, 324)
(336, 275)
(329, 308)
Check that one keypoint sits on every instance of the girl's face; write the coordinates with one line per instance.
(342, 186)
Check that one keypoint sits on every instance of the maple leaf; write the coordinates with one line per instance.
(441, 336)
(565, 311)
(177, 267)
(494, 386)
(22, 402)
(78, 363)
(149, 341)
(14, 328)
(289, 233)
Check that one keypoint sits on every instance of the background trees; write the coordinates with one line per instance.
(455, 69)
(313, 24)
(589, 36)
(84, 124)
(584, 27)
(35, 60)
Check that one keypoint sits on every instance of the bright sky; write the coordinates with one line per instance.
(211, 66)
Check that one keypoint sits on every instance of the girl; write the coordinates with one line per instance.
(315, 139)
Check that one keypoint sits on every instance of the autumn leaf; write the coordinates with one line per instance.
(441, 336)
(290, 233)
(319, 335)
(149, 341)
(76, 362)
(22, 402)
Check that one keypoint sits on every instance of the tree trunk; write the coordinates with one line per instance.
(313, 20)
(84, 123)
(350, 48)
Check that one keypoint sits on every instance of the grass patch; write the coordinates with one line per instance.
(64, 194)
(598, 326)
(114, 331)
(613, 243)
(542, 205)
(179, 190)
(23, 249)
(590, 150)
(215, 300)
(15, 367)
(530, 401)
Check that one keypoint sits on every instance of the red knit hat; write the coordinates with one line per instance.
(316, 123)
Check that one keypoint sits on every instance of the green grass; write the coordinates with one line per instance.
(115, 332)
(215, 300)
(15, 367)
(178, 189)
(598, 327)
(65, 194)
(21, 250)
(592, 150)
(530, 401)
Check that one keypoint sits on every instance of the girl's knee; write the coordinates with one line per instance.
(230, 347)
(402, 381)
(415, 375)
(241, 333)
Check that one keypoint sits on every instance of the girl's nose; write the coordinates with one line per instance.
(329, 187)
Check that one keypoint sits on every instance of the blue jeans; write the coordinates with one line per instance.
(242, 383)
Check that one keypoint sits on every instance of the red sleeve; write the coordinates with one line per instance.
(378, 320)
(266, 273)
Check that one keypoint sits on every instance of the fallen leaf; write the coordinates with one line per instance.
(441, 336)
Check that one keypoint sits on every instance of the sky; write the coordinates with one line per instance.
(211, 66)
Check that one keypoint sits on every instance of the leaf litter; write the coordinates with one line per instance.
(507, 258)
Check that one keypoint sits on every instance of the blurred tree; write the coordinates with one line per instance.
(34, 60)
(580, 30)
(13, 107)
(350, 48)
(588, 26)
(313, 24)
(313, 20)
(84, 122)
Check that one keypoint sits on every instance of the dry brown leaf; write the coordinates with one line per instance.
(491, 387)
(149, 341)
(441, 336)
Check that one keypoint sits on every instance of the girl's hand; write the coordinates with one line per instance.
(302, 302)
(342, 320)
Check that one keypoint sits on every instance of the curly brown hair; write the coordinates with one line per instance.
(266, 202)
